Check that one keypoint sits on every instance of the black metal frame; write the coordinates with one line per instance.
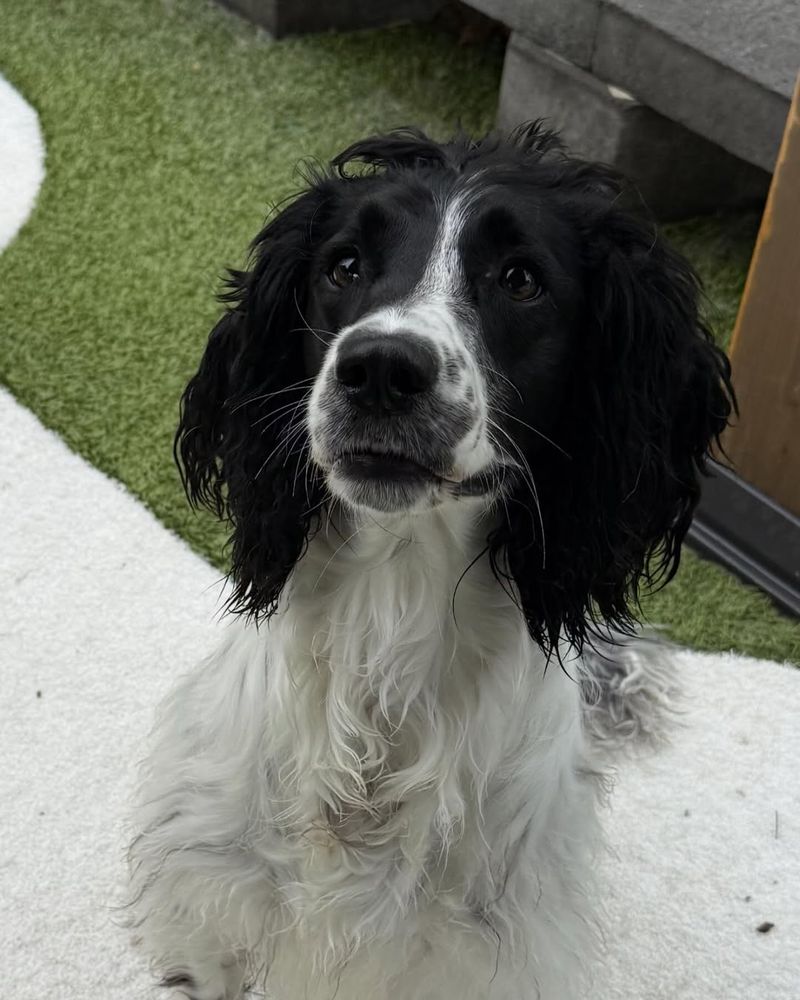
(745, 531)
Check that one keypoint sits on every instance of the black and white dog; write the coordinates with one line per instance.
(455, 413)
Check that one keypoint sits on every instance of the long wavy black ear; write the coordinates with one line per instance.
(650, 396)
(241, 443)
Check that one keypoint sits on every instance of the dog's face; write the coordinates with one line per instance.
(471, 323)
(442, 314)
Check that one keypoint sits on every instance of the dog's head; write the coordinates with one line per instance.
(474, 322)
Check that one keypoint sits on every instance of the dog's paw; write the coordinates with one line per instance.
(182, 982)
(220, 986)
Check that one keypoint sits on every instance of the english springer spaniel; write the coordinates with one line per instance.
(455, 414)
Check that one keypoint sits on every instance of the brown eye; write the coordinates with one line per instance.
(520, 284)
(344, 272)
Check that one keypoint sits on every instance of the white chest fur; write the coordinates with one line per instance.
(385, 771)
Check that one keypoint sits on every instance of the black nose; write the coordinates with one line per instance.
(385, 372)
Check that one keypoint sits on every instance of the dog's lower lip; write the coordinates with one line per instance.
(382, 465)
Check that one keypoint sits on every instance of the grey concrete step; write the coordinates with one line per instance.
(295, 17)
(723, 68)
(677, 172)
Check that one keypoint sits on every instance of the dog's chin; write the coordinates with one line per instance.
(384, 483)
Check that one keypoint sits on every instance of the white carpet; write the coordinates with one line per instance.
(21, 160)
(103, 608)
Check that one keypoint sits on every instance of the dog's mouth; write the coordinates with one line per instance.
(388, 480)
(385, 480)
(374, 465)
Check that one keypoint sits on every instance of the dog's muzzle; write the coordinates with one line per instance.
(382, 426)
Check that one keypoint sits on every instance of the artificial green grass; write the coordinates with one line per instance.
(170, 127)
(720, 248)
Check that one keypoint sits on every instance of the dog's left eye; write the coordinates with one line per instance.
(520, 283)
(344, 272)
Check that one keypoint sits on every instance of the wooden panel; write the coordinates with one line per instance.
(765, 352)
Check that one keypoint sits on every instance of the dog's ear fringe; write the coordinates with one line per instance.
(657, 396)
(241, 449)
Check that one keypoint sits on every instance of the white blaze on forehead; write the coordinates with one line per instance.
(444, 273)
(428, 309)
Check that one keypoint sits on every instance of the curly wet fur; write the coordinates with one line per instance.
(649, 393)
(334, 791)
(376, 787)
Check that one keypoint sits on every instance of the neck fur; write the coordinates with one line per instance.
(390, 631)
(398, 712)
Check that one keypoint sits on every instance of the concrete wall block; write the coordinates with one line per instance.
(758, 39)
(711, 98)
(678, 172)
(567, 27)
(295, 17)
(723, 68)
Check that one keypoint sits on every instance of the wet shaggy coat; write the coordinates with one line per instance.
(377, 786)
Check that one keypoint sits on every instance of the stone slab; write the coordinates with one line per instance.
(679, 79)
(295, 17)
(758, 39)
(677, 172)
(565, 26)
(723, 68)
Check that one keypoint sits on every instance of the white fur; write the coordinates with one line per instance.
(380, 794)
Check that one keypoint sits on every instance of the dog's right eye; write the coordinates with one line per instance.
(519, 283)
(344, 272)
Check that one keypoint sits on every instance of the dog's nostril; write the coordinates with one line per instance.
(352, 376)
